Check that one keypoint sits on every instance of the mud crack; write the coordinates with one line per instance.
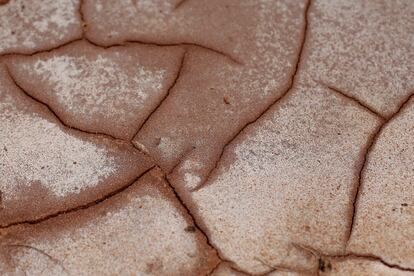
(371, 143)
(324, 264)
(57, 117)
(82, 18)
(284, 94)
(279, 268)
(80, 207)
(358, 102)
(198, 226)
(177, 77)
(182, 44)
(132, 42)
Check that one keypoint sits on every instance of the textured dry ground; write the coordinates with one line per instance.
(196, 137)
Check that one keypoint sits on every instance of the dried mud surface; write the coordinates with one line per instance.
(220, 137)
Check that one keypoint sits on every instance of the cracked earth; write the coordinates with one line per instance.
(220, 137)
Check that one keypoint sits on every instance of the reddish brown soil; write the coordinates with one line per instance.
(219, 137)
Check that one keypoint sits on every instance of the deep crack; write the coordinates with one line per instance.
(355, 192)
(61, 121)
(372, 258)
(177, 76)
(371, 142)
(80, 207)
(108, 47)
(279, 268)
(131, 42)
(282, 96)
(187, 209)
(360, 103)
(82, 18)
(183, 44)
(351, 255)
(200, 228)
(213, 269)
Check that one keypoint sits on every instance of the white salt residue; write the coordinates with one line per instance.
(191, 180)
(145, 237)
(36, 150)
(274, 49)
(270, 52)
(98, 86)
(189, 168)
(28, 23)
(190, 165)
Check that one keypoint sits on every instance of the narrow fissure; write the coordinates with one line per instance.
(358, 102)
(284, 94)
(371, 142)
(80, 207)
(179, 71)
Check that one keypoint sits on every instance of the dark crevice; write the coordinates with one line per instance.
(233, 267)
(361, 104)
(84, 37)
(182, 157)
(278, 268)
(282, 96)
(177, 76)
(199, 228)
(108, 47)
(57, 262)
(80, 207)
(183, 44)
(188, 211)
(82, 18)
(371, 142)
(372, 258)
(213, 270)
(324, 264)
(131, 42)
(62, 122)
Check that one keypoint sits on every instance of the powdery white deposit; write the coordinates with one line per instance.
(97, 86)
(36, 150)
(27, 25)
